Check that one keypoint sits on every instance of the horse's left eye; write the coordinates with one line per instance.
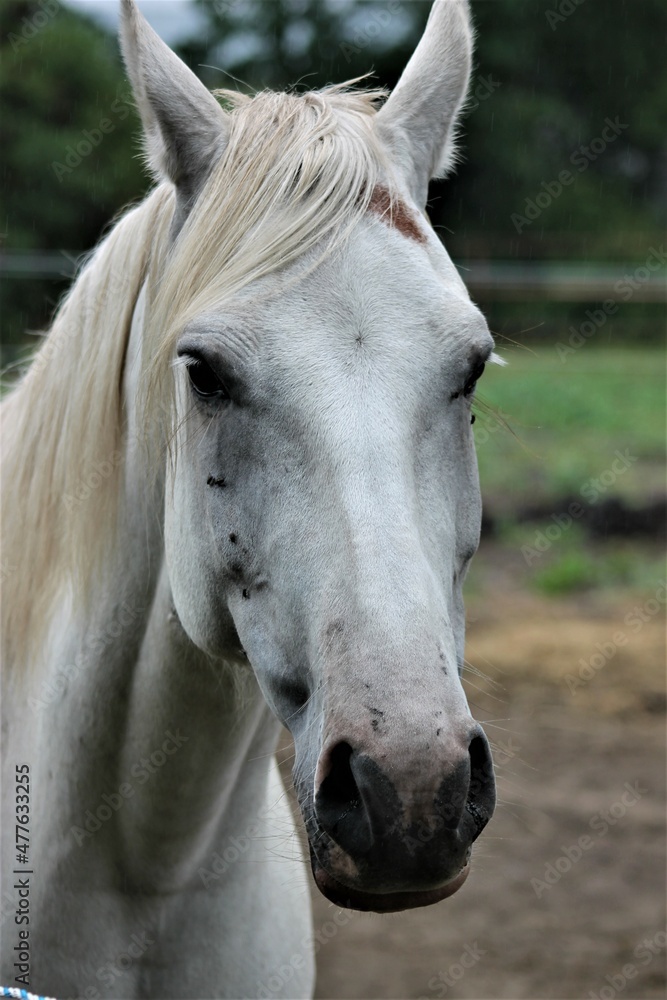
(204, 381)
(473, 379)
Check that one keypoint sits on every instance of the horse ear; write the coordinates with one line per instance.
(418, 121)
(185, 127)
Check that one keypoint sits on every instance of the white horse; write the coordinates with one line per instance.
(240, 490)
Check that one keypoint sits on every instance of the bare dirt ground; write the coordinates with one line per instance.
(541, 916)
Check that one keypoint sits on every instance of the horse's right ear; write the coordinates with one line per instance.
(185, 128)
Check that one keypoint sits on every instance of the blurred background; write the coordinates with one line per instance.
(556, 218)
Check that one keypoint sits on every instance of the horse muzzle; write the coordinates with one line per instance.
(384, 838)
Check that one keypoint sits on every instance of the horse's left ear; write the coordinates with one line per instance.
(185, 128)
(418, 121)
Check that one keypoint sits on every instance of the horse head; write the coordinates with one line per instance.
(322, 496)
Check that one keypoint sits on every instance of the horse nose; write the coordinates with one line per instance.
(359, 806)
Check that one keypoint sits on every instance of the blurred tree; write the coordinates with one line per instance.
(305, 43)
(564, 69)
(548, 75)
(68, 156)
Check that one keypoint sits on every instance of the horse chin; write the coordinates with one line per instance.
(379, 902)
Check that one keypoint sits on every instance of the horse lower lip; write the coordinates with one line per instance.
(390, 902)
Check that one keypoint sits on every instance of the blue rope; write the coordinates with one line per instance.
(19, 994)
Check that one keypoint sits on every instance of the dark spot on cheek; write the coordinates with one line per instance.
(334, 628)
(232, 538)
(245, 594)
(216, 481)
(379, 716)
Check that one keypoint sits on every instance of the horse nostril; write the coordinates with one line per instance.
(291, 696)
(339, 786)
(482, 790)
(298, 693)
(339, 803)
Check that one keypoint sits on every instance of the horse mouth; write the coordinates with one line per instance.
(379, 902)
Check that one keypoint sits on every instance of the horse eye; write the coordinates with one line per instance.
(473, 379)
(204, 381)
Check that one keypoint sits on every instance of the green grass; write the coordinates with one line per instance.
(577, 567)
(571, 564)
(570, 419)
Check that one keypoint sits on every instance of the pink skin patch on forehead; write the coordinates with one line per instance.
(395, 214)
